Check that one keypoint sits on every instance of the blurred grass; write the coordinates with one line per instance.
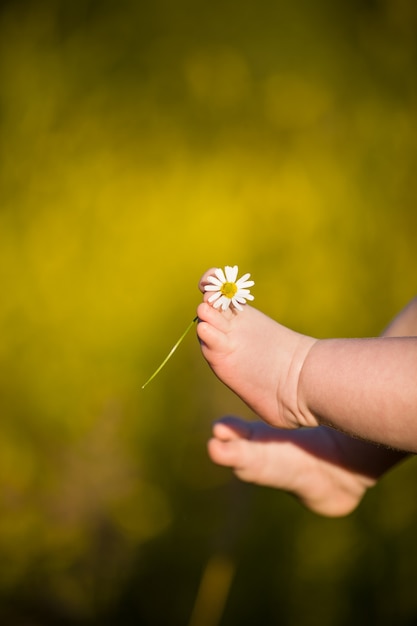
(142, 143)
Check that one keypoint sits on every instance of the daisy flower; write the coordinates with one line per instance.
(227, 290)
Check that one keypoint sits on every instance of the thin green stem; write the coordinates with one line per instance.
(170, 353)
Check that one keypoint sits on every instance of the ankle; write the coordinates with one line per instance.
(293, 406)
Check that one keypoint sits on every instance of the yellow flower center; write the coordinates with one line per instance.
(228, 290)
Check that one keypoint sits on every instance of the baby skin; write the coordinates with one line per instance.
(240, 348)
(328, 470)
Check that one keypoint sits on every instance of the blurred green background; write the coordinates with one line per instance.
(141, 143)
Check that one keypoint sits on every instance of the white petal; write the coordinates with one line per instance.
(219, 303)
(212, 287)
(214, 281)
(226, 303)
(236, 304)
(231, 273)
(214, 296)
(243, 278)
(245, 283)
(242, 293)
(220, 275)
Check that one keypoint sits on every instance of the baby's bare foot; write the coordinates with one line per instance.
(258, 359)
(309, 463)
